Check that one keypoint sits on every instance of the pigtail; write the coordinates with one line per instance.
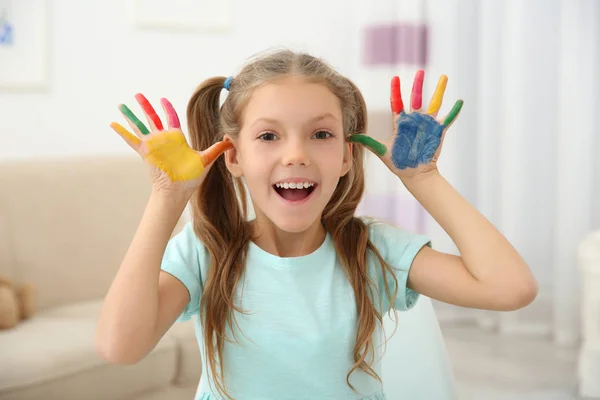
(217, 193)
(351, 235)
(219, 214)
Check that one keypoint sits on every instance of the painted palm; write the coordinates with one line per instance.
(415, 144)
(166, 149)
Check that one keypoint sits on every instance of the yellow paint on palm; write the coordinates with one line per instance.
(438, 95)
(170, 153)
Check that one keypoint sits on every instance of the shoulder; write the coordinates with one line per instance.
(186, 248)
(385, 234)
(398, 248)
(396, 245)
(186, 238)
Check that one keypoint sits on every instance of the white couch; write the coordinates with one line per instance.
(65, 226)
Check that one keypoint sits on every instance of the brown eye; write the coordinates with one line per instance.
(267, 137)
(322, 135)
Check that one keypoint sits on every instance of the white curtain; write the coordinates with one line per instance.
(522, 150)
(392, 41)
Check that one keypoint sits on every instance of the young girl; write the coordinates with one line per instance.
(289, 305)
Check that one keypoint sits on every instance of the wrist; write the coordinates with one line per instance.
(423, 179)
(168, 202)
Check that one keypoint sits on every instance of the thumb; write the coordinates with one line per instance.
(370, 143)
(213, 152)
(453, 114)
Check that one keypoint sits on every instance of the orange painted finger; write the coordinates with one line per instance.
(172, 118)
(417, 90)
(129, 137)
(396, 96)
(213, 152)
(149, 111)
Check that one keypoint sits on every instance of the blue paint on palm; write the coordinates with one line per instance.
(417, 139)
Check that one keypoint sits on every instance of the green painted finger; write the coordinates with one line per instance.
(453, 113)
(368, 141)
(131, 116)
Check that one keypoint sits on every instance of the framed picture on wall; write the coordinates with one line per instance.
(23, 45)
(184, 15)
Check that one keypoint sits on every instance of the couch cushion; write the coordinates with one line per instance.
(70, 222)
(6, 260)
(53, 353)
(189, 361)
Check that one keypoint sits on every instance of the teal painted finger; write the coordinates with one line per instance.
(131, 116)
(368, 141)
(453, 113)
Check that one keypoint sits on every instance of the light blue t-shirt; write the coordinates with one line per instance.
(298, 336)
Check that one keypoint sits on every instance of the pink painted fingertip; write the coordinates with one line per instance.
(417, 90)
(172, 117)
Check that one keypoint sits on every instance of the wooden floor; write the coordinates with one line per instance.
(491, 366)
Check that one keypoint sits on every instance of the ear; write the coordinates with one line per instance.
(231, 157)
(347, 161)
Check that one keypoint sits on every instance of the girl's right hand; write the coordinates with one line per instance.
(175, 166)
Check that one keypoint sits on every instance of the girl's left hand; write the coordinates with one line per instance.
(415, 145)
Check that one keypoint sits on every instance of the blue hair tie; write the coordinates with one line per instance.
(227, 83)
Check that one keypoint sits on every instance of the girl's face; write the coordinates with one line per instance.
(291, 151)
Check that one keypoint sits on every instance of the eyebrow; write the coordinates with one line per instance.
(315, 119)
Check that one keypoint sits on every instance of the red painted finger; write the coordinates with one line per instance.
(396, 96)
(417, 90)
(172, 118)
(149, 111)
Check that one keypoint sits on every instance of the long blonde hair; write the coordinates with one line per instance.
(219, 207)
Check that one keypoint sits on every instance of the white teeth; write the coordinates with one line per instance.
(294, 185)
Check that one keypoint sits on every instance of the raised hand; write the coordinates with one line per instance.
(416, 142)
(174, 164)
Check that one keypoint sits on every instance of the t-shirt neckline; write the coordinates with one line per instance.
(256, 253)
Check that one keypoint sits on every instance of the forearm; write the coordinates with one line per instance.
(129, 313)
(485, 252)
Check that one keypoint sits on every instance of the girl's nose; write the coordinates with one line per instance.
(295, 153)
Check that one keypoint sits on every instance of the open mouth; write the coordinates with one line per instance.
(294, 194)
